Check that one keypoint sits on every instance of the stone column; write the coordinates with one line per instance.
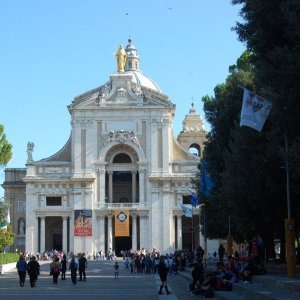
(179, 232)
(109, 235)
(43, 237)
(110, 186)
(153, 145)
(98, 188)
(142, 185)
(102, 233)
(102, 186)
(133, 175)
(76, 142)
(144, 237)
(71, 232)
(165, 145)
(134, 232)
(64, 233)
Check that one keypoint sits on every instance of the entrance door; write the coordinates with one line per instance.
(57, 241)
(122, 243)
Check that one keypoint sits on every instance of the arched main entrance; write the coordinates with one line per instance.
(123, 191)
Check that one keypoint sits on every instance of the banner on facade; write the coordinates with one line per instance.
(83, 222)
(121, 222)
(255, 110)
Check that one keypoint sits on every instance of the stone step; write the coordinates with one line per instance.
(283, 283)
(232, 295)
(260, 292)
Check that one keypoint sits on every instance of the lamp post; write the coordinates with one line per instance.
(289, 222)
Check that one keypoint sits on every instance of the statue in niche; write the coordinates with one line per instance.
(22, 227)
(30, 147)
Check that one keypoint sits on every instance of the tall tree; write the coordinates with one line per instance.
(5, 148)
(271, 29)
(222, 112)
(6, 236)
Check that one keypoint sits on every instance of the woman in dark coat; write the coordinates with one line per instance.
(63, 262)
(33, 270)
(73, 267)
(163, 274)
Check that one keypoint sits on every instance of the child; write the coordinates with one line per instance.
(116, 267)
(126, 263)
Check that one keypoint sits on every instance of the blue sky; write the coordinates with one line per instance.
(52, 51)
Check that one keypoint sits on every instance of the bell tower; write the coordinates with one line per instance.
(133, 60)
(193, 135)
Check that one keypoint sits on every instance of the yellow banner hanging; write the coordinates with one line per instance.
(121, 222)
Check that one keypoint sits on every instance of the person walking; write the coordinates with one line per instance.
(116, 267)
(63, 262)
(33, 270)
(73, 268)
(55, 268)
(163, 274)
(21, 267)
(82, 267)
(221, 252)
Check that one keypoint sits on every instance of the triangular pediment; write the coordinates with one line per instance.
(110, 95)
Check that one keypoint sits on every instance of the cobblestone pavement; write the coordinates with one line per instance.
(100, 284)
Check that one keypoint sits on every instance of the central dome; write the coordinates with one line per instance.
(132, 66)
(142, 80)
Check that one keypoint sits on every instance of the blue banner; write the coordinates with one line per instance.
(195, 200)
(206, 182)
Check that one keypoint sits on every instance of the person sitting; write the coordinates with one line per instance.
(197, 275)
(246, 271)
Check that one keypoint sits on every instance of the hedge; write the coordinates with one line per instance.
(6, 258)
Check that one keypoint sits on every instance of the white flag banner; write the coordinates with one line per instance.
(255, 110)
(187, 211)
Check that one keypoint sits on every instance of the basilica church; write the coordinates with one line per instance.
(121, 164)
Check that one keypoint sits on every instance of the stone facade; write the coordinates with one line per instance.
(121, 155)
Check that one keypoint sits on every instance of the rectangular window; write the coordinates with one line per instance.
(22, 206)
(53, 201)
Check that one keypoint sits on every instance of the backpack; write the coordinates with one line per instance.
(55, 269)
(21, 265)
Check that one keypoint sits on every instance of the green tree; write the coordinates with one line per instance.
(222, 112)
(5, 148)
(271, 29)
(247, 165)
(6, 237)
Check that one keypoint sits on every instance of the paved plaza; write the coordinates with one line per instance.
(100, 284)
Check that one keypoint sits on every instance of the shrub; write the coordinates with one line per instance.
(6, 258)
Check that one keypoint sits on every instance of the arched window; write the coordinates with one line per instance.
(195, 150)
(122, 158)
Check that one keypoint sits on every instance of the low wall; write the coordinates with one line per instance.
(7, 267)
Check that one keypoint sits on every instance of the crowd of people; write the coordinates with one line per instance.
(236, 269)
(228, 270)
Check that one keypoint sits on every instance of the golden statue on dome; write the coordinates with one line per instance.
(121, 58)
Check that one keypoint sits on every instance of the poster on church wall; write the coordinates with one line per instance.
(83, 222)
(121, 222)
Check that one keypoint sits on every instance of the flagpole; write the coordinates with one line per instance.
(289, 222)
(192, 230)
(205, 239)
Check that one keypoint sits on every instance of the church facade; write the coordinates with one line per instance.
(121, 156)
